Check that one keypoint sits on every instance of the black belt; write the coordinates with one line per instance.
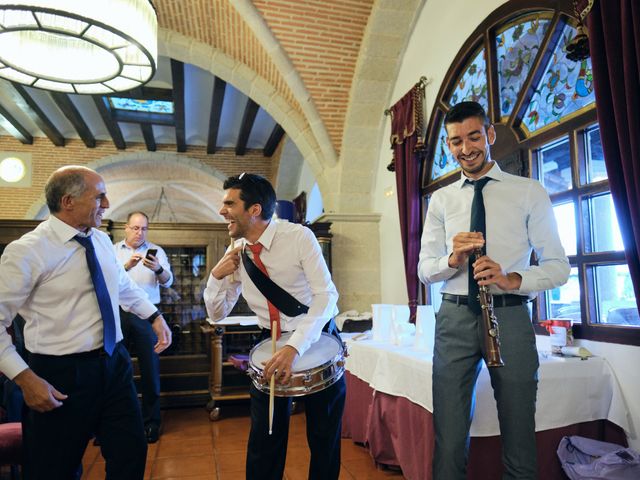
(508, 300)
(97, 353)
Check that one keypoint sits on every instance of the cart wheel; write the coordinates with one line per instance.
(214, 415)
(211, 404)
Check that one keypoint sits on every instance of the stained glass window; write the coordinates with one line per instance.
(146, 106)
(517, 46)
(472, 84)
(565, 88)
(443, 163)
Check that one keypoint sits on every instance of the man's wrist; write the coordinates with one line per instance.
(515, 280)
(159, 271)
(153, 316)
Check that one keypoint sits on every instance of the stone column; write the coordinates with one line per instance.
(355, 251)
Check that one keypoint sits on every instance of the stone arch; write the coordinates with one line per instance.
(136, 180)
(385, 41)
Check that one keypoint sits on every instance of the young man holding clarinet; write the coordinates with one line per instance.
(478, 237)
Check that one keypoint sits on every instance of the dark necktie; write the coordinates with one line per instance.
(477, 225)
(274, 313)
(102, 293)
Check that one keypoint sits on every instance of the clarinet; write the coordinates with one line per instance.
(490, 323)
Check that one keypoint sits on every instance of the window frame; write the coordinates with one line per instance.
(525, 147)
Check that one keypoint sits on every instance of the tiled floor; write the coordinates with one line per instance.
(194, 448)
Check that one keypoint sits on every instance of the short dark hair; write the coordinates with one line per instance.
(68, 180)
(254, 189)
(463, 110)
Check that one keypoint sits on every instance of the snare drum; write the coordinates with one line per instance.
(320, 367)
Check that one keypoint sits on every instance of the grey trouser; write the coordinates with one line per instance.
(457, 361)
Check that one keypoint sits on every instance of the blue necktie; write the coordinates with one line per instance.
(102, 293)
(478, 224)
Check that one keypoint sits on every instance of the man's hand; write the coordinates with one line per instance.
(464, 243)
(488, 272)
(133, 261)
(163, 333)
(227, 264)
(38, 394)
(151, 262)
(280, 364)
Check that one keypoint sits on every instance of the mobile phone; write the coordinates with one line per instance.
(152, 251)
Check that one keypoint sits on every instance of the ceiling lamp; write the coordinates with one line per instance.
(78, 46)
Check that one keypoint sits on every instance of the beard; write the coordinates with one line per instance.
(474, 169)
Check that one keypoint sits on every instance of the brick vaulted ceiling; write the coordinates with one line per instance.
(322, 38)
(319, 71)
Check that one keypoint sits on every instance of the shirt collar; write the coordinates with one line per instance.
(267, 236)
(495, 173)
(64, 231)
(143, 245)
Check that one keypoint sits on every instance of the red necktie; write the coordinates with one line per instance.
(274, 313)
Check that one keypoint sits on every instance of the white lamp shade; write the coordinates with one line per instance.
(78, 46)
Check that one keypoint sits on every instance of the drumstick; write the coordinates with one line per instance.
(272, 383)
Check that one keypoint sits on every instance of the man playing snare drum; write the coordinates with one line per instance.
(292, 258)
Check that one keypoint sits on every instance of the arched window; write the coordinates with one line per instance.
(543, 108)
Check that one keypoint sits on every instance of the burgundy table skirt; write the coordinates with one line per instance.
(398, 432)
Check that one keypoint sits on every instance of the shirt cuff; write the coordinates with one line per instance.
(300, 343)
(527, 285)
(14, 365)
(443, 266)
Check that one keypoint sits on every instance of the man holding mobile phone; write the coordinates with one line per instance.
(148, 266)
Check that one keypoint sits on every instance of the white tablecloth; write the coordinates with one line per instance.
(570, 390)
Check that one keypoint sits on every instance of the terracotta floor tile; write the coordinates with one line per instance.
(96, 473)
(350, 450)
(298, 457)
(231, 475)
(185, 447)
(90, 454)
(231, 461)
(181, 466)
(231, 443)
(365, 469)
(194, 448)
(192, 477)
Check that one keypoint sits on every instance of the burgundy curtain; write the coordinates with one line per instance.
(614, 42)
(406, 143)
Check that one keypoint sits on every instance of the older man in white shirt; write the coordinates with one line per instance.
(65, 281)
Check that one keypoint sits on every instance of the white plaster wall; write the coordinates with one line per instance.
(442, 28)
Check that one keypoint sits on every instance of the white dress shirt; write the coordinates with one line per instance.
(519, 219)
(293, 259)
(143, 276)
(44, 276)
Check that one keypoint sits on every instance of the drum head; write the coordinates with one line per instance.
(319, 353)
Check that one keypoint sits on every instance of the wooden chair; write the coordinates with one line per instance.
(11, 447)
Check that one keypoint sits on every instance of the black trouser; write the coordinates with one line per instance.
(139, 335)
(101, 400)
(266, 453)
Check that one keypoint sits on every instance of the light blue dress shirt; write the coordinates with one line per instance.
(519, 218)
(144, 277)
